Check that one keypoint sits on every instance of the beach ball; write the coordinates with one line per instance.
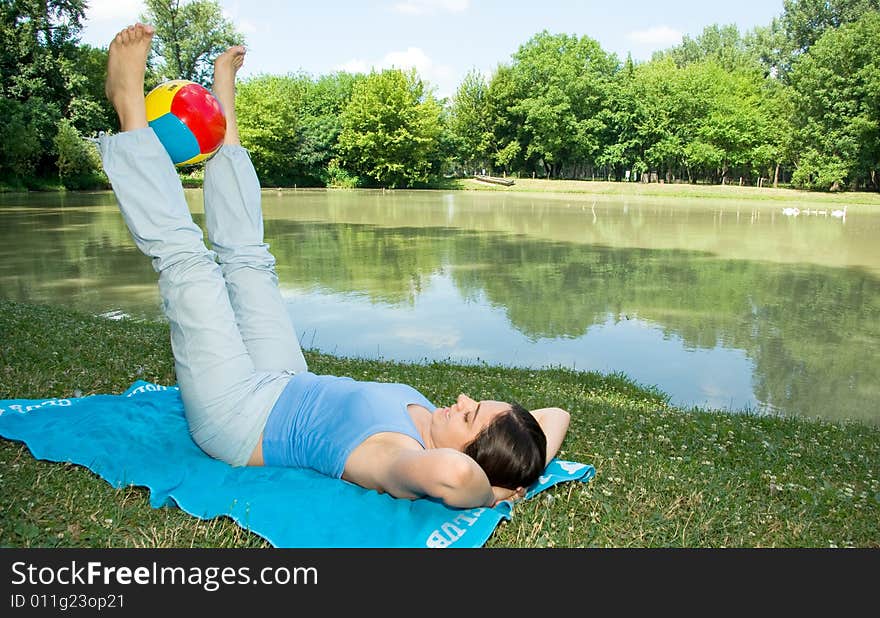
(187, 119)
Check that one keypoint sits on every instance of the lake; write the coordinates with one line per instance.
(719, 303)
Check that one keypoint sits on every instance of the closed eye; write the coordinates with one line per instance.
(467, 415)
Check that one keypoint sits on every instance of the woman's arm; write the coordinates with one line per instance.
(554, 422)
(442, 473)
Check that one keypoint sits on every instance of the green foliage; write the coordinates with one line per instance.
(21, 144)
(38, 80)
(818, 171)
(79, 163)
(722, 44)
(558, 95)
(338, 177)
(504, 148)
(698, 120)
(836, 89)
(291, 124)
(319, 128)
(391, 130)
(805, 21)
(470, 122)
(188, 38)
(268, 110)
(796, 100)
(91, 112)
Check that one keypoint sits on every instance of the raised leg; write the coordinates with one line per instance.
(225, 398)
(234, 222)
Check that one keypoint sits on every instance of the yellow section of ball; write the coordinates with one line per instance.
(159, 99)
(198, 158)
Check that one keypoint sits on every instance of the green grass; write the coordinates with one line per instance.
(666, 477)
(673, 190)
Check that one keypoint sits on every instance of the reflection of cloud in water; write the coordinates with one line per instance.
(428, 337)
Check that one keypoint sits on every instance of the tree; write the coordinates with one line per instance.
(837, 107)
(560, 86)
(776, 146)
(291, 124)
(188, 38)
(78, 160)
(320, 124)
(805, 21)
(722, 44)
(391, 130)
(701, 120)
(470, 121)
(506, 129)
(21, 143)
(38, 80)
(268, 110)
(621, 146)
(90, 111)
(657, 115)
(732, 124)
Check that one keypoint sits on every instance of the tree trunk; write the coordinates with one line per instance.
(776, 177)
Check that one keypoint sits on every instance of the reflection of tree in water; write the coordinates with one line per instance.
(815, 342)
(811, 332)
(386, 265)
(85, 258)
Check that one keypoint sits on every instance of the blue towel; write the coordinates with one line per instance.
(140, 438)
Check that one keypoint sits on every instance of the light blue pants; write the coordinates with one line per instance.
(234, 344)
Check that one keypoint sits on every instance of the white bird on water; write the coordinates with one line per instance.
(791, 212)
(839, 213)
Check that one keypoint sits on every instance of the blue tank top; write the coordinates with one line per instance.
(318, 420)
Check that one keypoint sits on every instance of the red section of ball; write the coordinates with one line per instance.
(199, 110)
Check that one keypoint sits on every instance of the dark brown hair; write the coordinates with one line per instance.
(511, 449)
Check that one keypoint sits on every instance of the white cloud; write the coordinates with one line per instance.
(244, 26)
(429, 7)
(440, 76)
(353, 66)
(659, 35)
(232, 12)
(110, 10)
(412, 58)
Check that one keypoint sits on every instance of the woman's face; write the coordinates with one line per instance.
(457, 425)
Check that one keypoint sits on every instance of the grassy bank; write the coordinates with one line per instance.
(665, 476)
(674, 190)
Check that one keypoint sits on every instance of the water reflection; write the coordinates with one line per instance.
(724, 304)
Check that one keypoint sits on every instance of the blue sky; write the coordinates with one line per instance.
(442, 39)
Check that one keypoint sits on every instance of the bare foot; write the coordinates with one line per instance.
(126, 64)
(226, 66)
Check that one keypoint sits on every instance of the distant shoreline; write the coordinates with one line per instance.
(606, 189)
